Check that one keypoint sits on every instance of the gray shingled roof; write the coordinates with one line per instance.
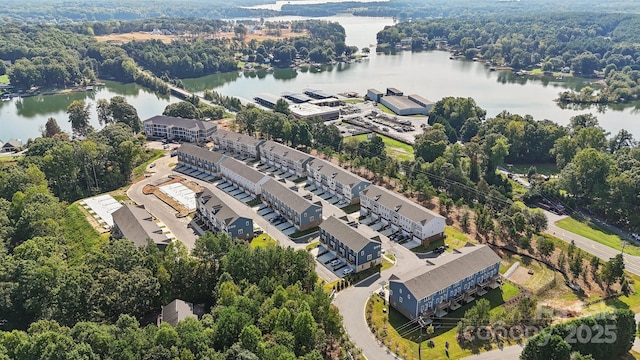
(137, 225)
(242, 169)
(212, 202)
(237, 137)
(406, 207)
(201, 153)
(287, 196)
(181, 122)
(346, 234)
(447, 270)
(285, 151)
(342, 176)
(176, 311)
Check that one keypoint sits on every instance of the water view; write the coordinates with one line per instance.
(430, 74)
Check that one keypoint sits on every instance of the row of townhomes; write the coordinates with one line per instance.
(199, 158)
(445, 283)
(346, 243)
(336, 180)
(285, 158)
(219, 217)
(179, 129)
(299, 211)
(240, 145)
(243, 176)
(401, 214)
(135, 223)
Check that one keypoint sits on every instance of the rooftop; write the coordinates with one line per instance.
(201, 153)
(243, 170)
(447, 270)
(317, 94)
(176, 311)
(285, 151)
(218, 208)
(287, 196)
(375, 91)
(299, 98)
(181, 122)
(310, 110)
(136, 224)
(345, 233)
(400, 204)
(238, 137)
(339, 174)
(421, 99)
(401, 102)
(268, 98)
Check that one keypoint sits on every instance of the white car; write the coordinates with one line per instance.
(347, 271)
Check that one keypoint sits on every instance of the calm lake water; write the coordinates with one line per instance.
(278, 4)
(429, 74)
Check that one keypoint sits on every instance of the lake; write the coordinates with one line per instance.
(430, 74)
(277, 6)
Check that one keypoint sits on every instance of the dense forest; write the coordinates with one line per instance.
(587, 44)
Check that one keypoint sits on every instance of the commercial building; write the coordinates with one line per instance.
(240, 145)
(401, 214)
(394, 92)
(311, 111)
(296, 209)
(283, 157)
(348, 244)
(400, 104)
(445, 283)
(296, 98)
(219, 217)
(136, 224)
(374, 95)
(336, 180)
(179, 129)
(199, 158)
(317, 94)
(242, 175)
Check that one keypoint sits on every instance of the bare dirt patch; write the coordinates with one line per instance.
(135, 36)
(258, 35)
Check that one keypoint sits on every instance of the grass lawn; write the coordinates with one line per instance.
(396, 149)
(10, 158)
(353, 101)
(327, 287)
(406, 341)
(263, 240)
(385, 109)
(623, 302)
(299, 233)
(139, 170)
(590, 231)
(386, 264)
(455, 239)
(253, 202)
(79, 233)
(542, 168)
(350, 209)
(312, 246)
(4, 79)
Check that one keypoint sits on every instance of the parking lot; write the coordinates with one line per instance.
(200, 175)
(233, 190)
(333, 264)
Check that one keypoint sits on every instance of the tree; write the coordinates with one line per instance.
(182, 109)
(545, 346)
(250, 338)
(3, 68)
(586, 175)
(282, 106)
(431, 144)
(304, 331)
(51, 128)
(78, 113)
(545, 246)
(613, 270)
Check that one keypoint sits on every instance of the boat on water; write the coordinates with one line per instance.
(492, 68)
(6, 97)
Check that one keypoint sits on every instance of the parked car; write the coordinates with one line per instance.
(347, 271)
(152, 165)
(335, 262)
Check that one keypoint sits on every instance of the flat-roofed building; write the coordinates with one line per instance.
(179, 129)
(199, 158)
(422, 101)
(445, 283)
(404, 105)
(267, 100)
(219, 217)
(344, 241)
(401, 214)
(283, 157)
(135, 223)
(296, 98)
(239, 145)
(374, 95)
(394, 92)
(242, 175)
(297, 210)
(317, 94)
(336, 180)
(311, 111)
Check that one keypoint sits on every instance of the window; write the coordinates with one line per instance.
(408, 296)
(369, 257)
(400, 291)
(400, 299)
(311, 218)
(362, 253)
(240, 232)
(247, 223)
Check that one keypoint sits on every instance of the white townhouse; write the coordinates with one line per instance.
(179, 129)
(242, 175)
(240, 145)
(199, 158)
(283, 157)
(336, 180)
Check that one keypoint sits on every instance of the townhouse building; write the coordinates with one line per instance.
(348, 244)
(283, 157)
(135, 223)
(242, 175)
(336, 180)
(219, 217)
(199, 158)
(297, 210)
(239, 145)
(179, 129)
(445, 283)
(401, 214)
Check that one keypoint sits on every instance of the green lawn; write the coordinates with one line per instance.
(386, 264)
(455, 239)
(10, 158)
(79, 233)
(542, 168)
(396, 149)
(351, 208)
(590, 231)
(407, 341)
(154, 155)
(4, 79)
(312, 246)
(385, 109)
(263, 240)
